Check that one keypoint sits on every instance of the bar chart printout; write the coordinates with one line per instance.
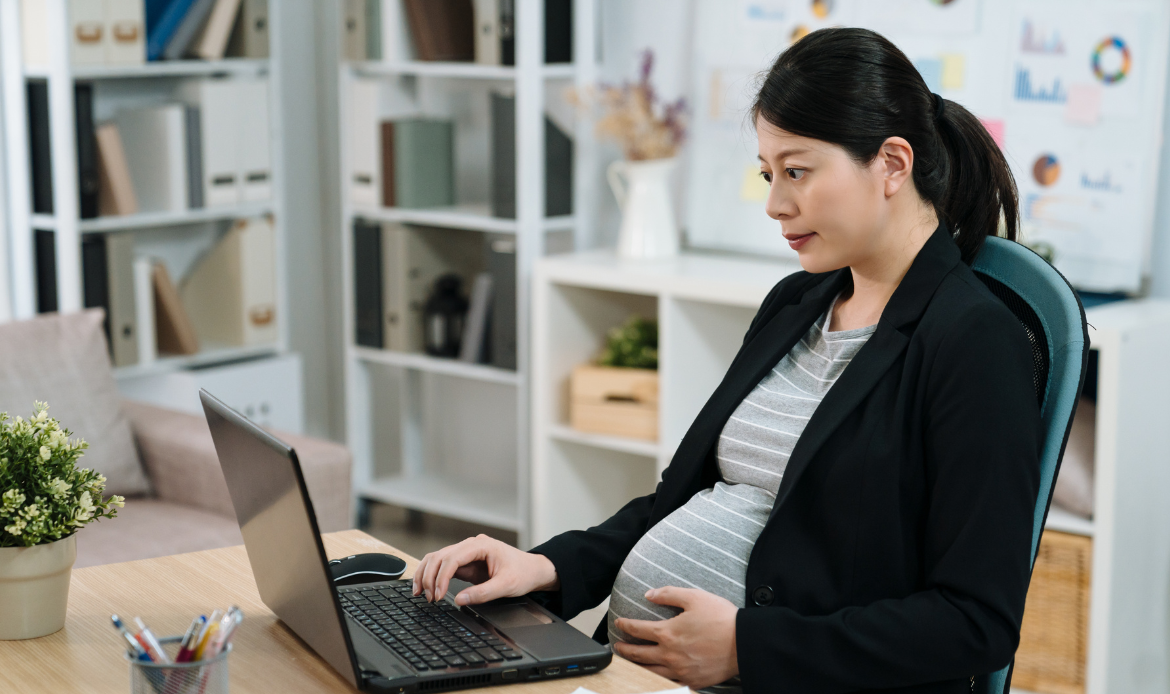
(1026, 91)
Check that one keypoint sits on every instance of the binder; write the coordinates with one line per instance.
(219, 116)
(213, 41)
(88, 171)
(193, 128)
(249, 38)
(144, 310)
(373, 29)
(367, 284)
(108, 282)
(115, 187)
(45, 254)
(157, 155)
(396, 310)
(125, 32)
(255, 160)
(487, 32)
(39, 151)
(558, 31)
(558, 162)
(389, 196)
(189, 30)
(424, 162)
(231, 294)
(363, 140)
(501, 264)
(354, 30)
(396, 41)
(87, 32)
(34, 33)
(473, 345)
(442, 29)
(160, 32)
(175, 334)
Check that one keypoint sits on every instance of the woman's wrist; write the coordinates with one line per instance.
(547, 573)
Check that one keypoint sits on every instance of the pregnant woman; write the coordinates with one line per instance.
(852, 508)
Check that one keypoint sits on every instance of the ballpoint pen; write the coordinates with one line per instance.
(187, 646)
(132, 644)
(152, 643)
(227, 627)
(209, 630)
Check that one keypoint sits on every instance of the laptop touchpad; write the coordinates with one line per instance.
(509, 616)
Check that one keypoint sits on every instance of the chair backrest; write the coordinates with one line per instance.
(1054, 319)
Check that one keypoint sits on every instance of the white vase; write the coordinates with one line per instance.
(34, 588)
(642, 189)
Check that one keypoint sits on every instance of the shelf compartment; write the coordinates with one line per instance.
(166, 68)
(208, 357)
(465, 501)
(437, 365)
(475, 217)
(146, 220)
(456, 70)
(649, 449)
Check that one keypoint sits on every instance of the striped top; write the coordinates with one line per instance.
(706, 543)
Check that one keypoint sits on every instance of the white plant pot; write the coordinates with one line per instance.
(34, 588)
(642, 189)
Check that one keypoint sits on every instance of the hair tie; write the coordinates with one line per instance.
(940, 107)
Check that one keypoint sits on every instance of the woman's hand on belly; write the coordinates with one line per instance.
(499, 570)
(696, 648)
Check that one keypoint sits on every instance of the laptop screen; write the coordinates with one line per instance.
(280, 533)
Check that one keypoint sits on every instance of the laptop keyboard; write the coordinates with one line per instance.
(426, 634)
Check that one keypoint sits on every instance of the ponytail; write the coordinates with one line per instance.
(855, 89)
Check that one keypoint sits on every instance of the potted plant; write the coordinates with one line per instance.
(44, 499)
(650, 135)
(619, 394)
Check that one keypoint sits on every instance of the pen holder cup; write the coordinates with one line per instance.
(200, 677)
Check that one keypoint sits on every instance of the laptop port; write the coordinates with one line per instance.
(552, 671)
(569, 669)
(589, 668)
(509, 674)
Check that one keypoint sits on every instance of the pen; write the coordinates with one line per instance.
(133, 646)
(209, 630)
(187, 646)
(227, 627)
(152, 644)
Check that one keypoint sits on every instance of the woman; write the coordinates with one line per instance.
(852, 508)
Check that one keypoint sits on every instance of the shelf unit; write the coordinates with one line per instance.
(704, 305)
(438, 435)
(185, 233)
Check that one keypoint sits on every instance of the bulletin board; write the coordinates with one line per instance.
(1072, 90)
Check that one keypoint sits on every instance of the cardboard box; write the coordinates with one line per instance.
(614, 401)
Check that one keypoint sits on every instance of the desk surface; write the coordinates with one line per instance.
(166, 592)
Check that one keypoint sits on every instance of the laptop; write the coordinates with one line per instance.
(377, 635)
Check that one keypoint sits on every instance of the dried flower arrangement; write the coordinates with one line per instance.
(632, 116)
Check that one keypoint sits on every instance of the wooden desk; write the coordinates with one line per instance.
(86, 655)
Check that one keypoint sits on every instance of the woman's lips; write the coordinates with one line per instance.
(795, 242)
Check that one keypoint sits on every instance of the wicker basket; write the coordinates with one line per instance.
(1054, 638)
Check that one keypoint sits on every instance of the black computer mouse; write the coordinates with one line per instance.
(366, 568)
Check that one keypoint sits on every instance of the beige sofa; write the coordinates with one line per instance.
(163, 461)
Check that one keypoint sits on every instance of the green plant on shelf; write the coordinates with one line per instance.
(633, 345)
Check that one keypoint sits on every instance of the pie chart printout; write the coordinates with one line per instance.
(1046, 170)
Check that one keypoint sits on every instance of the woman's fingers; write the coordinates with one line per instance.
(645, 655)
(416, 577)
(459, 556)
(640, 628)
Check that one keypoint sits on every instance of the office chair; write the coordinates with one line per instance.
(1054, 319)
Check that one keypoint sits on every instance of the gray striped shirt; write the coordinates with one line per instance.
(706, 543)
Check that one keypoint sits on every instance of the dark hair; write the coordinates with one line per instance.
(855, 89)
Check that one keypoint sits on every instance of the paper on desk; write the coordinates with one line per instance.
(679, 691)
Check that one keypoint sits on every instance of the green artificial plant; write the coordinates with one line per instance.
(633, 345)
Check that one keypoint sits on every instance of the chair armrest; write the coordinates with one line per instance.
(179, 457)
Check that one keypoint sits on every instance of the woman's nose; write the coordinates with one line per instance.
(780, 205)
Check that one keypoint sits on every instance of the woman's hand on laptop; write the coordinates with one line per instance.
(499, 570)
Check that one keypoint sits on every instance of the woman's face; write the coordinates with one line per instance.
(831, 210)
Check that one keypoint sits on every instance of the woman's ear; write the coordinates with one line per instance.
(895, 162)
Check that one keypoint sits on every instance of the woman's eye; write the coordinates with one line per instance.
(795, 174)
(766, 176)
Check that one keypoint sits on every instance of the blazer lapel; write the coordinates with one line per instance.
(875, 358)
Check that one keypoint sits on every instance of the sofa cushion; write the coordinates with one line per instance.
(148, 528)
(64, 360)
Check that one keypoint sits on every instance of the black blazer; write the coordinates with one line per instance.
(897, 555)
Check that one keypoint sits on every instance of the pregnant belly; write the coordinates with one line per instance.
(705, 544)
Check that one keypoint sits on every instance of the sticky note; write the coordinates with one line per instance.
(931, 70)
(753, 188)
(1083, 106)
(995, 127)
(954, 70)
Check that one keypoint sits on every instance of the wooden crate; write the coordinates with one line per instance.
(614, 401)
(1054, 638)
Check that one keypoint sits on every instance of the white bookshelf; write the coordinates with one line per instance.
(704, 305)
(187, 232)
(438, 435)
